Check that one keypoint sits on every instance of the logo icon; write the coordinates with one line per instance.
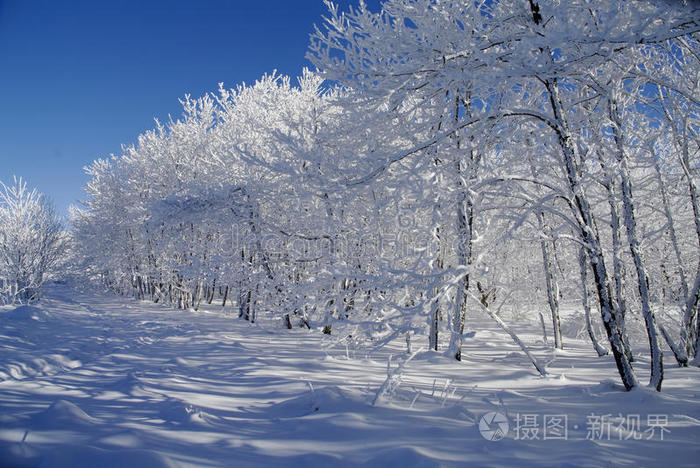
(493, 426)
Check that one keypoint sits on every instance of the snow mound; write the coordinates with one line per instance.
(46, 365)
(26, 313)
(402, 457)
(74, 455)
(314, 459)
(125, 384)
(62, 414)
(607, 386)
(327, 399)
(179, 361)
(182, 413)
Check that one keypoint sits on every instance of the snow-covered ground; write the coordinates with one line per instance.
(101, 381)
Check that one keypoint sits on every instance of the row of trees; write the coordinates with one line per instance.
(464, 154)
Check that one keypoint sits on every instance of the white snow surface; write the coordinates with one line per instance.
(103, 381)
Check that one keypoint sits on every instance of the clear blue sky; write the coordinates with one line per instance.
(79, 78)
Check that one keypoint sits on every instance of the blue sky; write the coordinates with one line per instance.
(79, 78)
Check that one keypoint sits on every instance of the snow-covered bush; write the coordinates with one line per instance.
(32, 242)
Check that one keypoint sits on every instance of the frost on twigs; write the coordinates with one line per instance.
(32, 243)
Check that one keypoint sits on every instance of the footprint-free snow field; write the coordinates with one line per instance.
(109, 381)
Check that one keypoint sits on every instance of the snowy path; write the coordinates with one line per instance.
(106, 381)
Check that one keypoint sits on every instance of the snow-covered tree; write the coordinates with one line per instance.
(518, 61)
(461, 156)
(32, 242)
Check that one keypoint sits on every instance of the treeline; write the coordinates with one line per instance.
(447, 156)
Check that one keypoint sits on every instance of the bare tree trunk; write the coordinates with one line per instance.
(552, 288)
(618, 265)
(210, 299)
(550, 280)
(691, 322)
(434, 323)
(244, 298)
(678, 353)
(253, 306)
(465, 230)
(691, 307)
(690, 340)
(671, 226)
(583, 265)
(657, 369)
(435, 312)
(223, 303)
(589, 237)
(544, 329)
(584, 216)
(696, 359)
(197, 301)
(465, 225)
